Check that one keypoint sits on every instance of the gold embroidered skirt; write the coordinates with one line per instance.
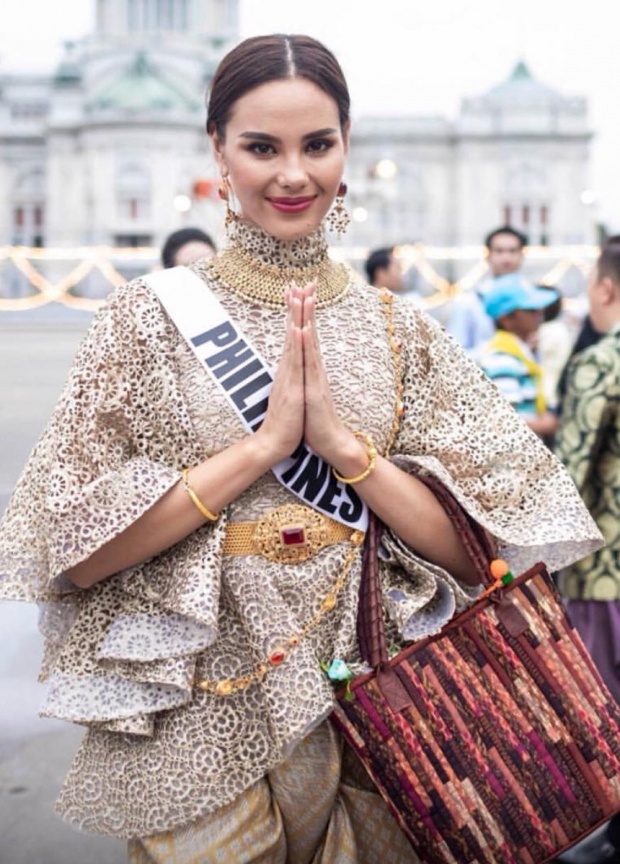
(317, 807)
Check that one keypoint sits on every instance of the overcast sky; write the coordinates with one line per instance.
(408, 56)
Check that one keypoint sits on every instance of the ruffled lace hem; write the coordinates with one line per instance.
(419, 596)
(108, 698)
(213, 761)
(550, 540)
(142, 638)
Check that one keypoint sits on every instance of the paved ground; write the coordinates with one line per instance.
(35, 352)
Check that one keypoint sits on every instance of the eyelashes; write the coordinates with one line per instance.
(315, 146)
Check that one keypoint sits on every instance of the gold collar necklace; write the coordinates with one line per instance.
(265, 284)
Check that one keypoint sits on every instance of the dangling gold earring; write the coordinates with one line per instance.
(338, 219)
(222, 190)
(224, 193)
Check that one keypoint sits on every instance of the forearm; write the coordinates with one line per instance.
(216, 482)
(411, 510)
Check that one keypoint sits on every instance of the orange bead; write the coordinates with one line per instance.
(498, 568)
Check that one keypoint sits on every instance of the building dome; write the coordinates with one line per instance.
(521, 88)
(141, 89)
(68, 73)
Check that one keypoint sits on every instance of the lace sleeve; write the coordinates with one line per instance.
(125, 648)
(457, 427)
(102, 460)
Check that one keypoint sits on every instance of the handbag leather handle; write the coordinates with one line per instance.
(370, 623)
(474, 538)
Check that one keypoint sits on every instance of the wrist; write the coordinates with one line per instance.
(358, 461)
(259, 450)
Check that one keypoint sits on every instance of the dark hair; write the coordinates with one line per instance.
(276, 57)
(379, 259)
(178, 239)
(505, 229)
(608, 263)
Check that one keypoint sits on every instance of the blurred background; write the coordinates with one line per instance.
(465, 117)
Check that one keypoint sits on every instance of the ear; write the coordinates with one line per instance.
(607, 290)
(218, 151)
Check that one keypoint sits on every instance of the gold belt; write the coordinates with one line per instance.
(288, 534)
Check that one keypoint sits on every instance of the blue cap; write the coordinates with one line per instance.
(511, 292)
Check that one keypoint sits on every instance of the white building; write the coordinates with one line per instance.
(517, 155)
(98, 152)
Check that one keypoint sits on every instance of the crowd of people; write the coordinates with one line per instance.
(193, 516)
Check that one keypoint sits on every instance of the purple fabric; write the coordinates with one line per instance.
(598, 624)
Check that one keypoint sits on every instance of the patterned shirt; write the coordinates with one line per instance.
(588, 443)
(512, 375)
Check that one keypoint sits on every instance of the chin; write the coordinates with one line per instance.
(288, 227)
(292, 231)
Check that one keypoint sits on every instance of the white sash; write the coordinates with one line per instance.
(244, 377)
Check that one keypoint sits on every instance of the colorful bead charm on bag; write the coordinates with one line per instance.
(339, 673)
(501, 574)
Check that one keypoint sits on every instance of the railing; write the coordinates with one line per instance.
(80, 278)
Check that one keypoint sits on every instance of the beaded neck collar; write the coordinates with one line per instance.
(304, 252)
(259, 268)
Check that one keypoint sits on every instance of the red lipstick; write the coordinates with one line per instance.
(292, 205)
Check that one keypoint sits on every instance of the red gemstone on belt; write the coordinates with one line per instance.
(293, 536)
(277, 657)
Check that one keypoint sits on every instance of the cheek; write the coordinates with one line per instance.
(246, 181)
(536, 319)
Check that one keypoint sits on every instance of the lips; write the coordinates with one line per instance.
(292, 205)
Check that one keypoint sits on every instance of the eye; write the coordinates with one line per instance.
(319, 145)
(261, 148)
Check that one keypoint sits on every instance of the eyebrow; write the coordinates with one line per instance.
(262, 136)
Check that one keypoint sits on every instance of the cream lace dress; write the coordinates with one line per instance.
(122, 656)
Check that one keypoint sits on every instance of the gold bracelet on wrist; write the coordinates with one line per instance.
(371, 452)
(212, 517)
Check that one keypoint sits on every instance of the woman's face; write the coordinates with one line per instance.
(284, 155)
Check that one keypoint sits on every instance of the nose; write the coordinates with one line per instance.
(293, 174)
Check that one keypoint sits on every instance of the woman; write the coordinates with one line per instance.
(194, 597)
(186, 246)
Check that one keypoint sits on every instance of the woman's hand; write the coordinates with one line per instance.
(283, 427)
(324, 432)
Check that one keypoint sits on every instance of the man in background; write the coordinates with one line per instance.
(588, 443)
(468, 321)
(384, 270)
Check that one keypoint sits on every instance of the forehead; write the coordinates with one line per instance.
(505, 243)
(284, 102)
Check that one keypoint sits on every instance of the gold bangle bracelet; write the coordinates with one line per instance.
(371, 452)
(212, 517)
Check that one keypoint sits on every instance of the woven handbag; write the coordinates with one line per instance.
(495, 740)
